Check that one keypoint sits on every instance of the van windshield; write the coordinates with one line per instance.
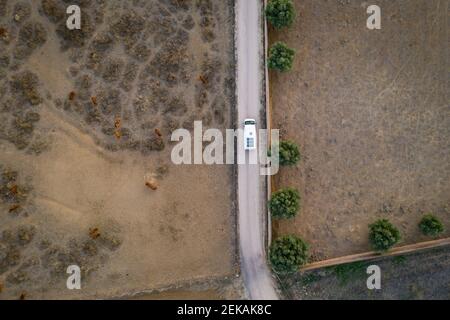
(249, 122)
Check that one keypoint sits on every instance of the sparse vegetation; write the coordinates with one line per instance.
(94, 233)
(309, 278)
(431, 226)
(128, 86)
(284, 203)
(383, 235)
(25, 86)
(280, 13)
(289, 153)
(399, 260)
(349, 271)
(281, 57)
(288, 253)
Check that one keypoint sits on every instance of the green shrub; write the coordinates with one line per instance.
(288, 254)
(284, 203)
(281, 57)
(310, 278)
(289, 153)
(352, 271)
(280, 13)
(383, 235)
(431, 226)
(399, 260)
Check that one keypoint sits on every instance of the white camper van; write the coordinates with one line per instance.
(249, 134)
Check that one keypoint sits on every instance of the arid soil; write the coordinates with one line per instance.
(222, 289)
(370, 111)
(85, 170)
(424, 275)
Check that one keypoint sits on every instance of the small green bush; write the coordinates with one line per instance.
(284, 204)
(352, 271)
(289, 153)
(281, 57)
(383, 235)
(288, 254)
(431, 226)
(399, 260)
(280, 13)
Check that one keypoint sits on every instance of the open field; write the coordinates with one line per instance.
(219, 289)
(86, 121)
(424, 275)
(370, 111)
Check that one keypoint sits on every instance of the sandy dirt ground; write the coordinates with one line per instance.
(182, 295)
(370, 110)
(86, 121)
(219, 289)
(424, 275)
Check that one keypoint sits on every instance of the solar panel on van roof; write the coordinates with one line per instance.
(250, 142)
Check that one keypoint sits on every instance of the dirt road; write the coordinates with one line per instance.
(257, 277)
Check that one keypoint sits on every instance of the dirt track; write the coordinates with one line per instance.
(257, 276)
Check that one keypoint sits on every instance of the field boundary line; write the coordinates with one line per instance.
(268, 107)
(373, 255)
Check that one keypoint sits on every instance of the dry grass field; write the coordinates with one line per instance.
(86, 121)
(370, 111)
